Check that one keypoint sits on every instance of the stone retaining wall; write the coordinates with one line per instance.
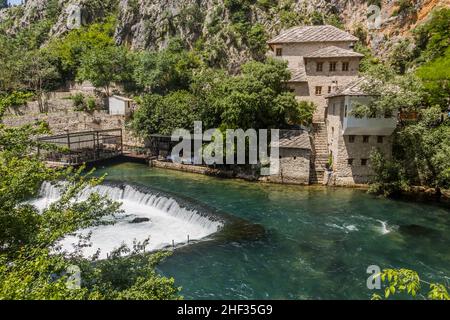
(75, 121)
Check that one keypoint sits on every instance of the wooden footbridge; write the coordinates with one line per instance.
(77, 148)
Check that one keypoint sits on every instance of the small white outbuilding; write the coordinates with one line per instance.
(119, 105)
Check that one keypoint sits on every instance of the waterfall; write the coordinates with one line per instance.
(168, 221)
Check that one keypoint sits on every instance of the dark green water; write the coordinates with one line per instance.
(319, 241)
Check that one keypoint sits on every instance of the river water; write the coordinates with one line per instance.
(318, 242)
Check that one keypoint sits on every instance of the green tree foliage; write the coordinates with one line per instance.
(436, 78)
(433, 37)
(393, 92)
(169, 69)
(38, 73)
(104, 66)
(32, 265)
(71, 49)
(401, 56)
(405, 281)
(163, 114)
(389, 178)
(369, 61)
(12, 100)
(3, 4)
(423, 149)
(421, 153)
(256, 98)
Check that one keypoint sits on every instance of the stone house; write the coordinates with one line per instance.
(320, 58)
(324, 69)
(294, 157)
(351, 140)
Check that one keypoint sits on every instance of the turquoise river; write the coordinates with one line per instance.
(318, 242)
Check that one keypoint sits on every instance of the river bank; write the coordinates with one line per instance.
(420, 193)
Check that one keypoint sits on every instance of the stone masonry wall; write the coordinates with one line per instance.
(345, 174)
(294, 166)
(293, 53)
(73, 121)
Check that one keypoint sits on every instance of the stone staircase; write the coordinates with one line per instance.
(320, 152)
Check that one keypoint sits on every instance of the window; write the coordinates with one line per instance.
(334, 108)
(333, 66)
(351, 139)
(279, 52)
(366, 139)
(319, 67)
(380, 139)
(345, 66)
(350, 162)
(329, 89)
(364, 162)
(345, 111)
(318, 91)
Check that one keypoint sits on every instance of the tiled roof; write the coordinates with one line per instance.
(298, 75)
(312, 34)
(294, 139)
(333, 52)
(352, 89)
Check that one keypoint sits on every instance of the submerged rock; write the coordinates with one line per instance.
(416, 230)
(140, 220)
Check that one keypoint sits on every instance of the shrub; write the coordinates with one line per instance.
(78, 100)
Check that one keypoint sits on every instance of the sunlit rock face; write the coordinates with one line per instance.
(148, 24)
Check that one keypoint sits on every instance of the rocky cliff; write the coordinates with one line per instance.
(216, 24)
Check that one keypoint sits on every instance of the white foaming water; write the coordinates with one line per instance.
(168, 221)
(384, 227)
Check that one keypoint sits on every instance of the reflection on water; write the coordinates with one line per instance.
(318, 244)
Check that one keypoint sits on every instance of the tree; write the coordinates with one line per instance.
(420, 156)
(13, 100)
(3, 4)
(258, 98)
(436, 77)
(38, 73)
(391, 92)
(164, 114)
(10, 55)
(104, 66)
(423, 149)
(389, 178)
(167, 70)
(433, 37)
(401, 56)
(32, 265)
(70, 50)
(405, 281)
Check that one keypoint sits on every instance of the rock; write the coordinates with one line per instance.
(140, 220)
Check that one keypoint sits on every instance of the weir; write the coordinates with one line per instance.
(166, 221)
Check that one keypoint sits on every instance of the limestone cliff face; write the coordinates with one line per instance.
(148, 24)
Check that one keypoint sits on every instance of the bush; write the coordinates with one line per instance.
(78, 100)
(389, 176)
(91, 104)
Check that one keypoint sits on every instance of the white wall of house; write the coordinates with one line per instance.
(380, 125)
(119, 105)
(351, 140)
